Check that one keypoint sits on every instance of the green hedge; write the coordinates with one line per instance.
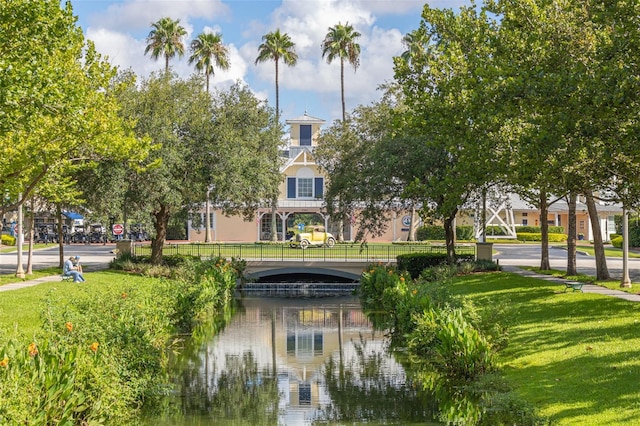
(527, 229)
(8, 240)
(553, 238)
(415, 263)
(433, 232)
(617, 242)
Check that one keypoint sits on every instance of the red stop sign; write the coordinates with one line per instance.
(118, 229)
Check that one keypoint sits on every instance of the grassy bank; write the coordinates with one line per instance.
(95, 352)
(575, 356)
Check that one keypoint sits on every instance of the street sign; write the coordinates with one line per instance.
(117, 229)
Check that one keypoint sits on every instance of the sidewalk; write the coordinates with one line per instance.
(586, 288)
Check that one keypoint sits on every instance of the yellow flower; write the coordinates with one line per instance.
(414, 292)
(69, 326)
(94, 347)
(4, 362)
(33, 350)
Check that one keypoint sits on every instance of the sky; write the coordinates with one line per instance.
(119, 30)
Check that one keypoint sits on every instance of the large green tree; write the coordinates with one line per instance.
(56, 107)
(229, 143)
(165, 39)
(274, 47)
(341, 42)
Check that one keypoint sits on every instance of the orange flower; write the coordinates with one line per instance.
(69, 326)
(124, 294)
(402, 279)
(414, 292)
(4, 362)
(33, 350)
(94, 347)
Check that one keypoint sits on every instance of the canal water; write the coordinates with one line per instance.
(284, 360)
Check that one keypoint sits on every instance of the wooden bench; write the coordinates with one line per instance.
(574, 285)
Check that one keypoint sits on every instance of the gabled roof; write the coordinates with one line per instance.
(304, 157)
(305, 119)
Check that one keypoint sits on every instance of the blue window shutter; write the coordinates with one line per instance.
(318, 189)
(291, 187)
(305, 135)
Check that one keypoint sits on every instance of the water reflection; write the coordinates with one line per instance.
(295, 362)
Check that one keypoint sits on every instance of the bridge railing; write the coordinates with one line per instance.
(280, 252)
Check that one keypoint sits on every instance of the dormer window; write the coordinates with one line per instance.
(305, 135)
(305, 185)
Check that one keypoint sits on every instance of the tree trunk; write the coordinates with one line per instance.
(277, 95)
(32, 223)
(157, 244)
(449, 232)
(207, 219)
(544, 229)
(344, 113)
(571, 236)
(602, 272)
(60, 236)
(274, 223)
(412, 224)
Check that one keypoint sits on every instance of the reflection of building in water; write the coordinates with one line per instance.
(298, 338)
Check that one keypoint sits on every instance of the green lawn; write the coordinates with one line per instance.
(575, 356)
(609, 251)
(39, 273)
(25, 247)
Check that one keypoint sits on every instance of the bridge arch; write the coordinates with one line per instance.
(297, 271)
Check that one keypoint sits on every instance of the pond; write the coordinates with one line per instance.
(294, 361)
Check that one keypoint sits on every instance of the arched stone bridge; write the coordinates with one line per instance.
(347, 270)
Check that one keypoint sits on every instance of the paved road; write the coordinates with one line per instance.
(529, 255)
(92, 257)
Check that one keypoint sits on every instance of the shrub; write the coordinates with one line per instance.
(529, 229)
(415, 263)
(8, 240)
(554, 238)
(617, 242)
(434, 232)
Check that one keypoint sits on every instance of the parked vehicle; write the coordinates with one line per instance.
(98, 233)
(312, 236)
(45, 233)
(138, 233)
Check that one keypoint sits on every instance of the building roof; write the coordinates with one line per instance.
(305, 119)
(519, 204)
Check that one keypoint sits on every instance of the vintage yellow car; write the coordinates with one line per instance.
(312, 236)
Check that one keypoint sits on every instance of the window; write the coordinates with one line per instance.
(305, 188)
(305, 185)
(525, 214)
(525, 222)
(305, 135)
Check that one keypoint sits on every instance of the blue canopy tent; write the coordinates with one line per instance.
(73, 215)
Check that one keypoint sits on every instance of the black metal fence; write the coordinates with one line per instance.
(280, 252)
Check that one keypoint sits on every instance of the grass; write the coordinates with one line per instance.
(609, 251)
(20, 310)
(587, 279)
(39, 273)
(25, 247)
(575, 356)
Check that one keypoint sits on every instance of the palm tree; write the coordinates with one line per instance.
(340, 42)
(165, 39)
(276, 46)
(416, 42)
(207, 50)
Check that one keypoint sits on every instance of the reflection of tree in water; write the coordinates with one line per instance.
(240, 392)
(364, 390)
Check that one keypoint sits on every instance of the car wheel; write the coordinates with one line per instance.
(304, 244)
(331, 242)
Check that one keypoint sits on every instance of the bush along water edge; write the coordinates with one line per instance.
(446, 345)
(102, 353)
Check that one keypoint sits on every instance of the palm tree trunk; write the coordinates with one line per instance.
(166, 63)
(277, 94)
(344, 113)
(208, 76)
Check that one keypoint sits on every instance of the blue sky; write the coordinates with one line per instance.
(119, 30)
